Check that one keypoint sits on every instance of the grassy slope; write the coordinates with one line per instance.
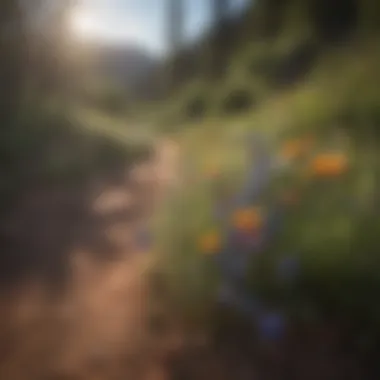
(337, 247)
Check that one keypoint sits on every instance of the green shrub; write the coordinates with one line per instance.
(237, 100)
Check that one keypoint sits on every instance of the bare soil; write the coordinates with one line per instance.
(75, 303)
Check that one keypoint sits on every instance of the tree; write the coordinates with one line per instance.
(220, 42)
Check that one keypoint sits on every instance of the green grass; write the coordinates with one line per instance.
(332, 231)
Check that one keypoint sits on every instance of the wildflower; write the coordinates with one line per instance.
(329, 164)
(249, 219)
(292, 149)
(210, 243)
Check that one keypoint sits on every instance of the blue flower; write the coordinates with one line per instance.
(272, 326)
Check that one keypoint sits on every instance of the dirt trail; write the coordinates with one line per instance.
(97, 329)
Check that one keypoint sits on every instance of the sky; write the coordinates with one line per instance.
(140, 22)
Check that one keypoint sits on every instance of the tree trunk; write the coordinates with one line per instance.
(175, 37)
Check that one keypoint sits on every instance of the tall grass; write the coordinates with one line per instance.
(332, 230)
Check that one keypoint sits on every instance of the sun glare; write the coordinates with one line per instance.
(83, 24)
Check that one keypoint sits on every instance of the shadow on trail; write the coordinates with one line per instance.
(49, 223)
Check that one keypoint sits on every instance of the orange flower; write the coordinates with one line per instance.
(210, 243)
(329, 164)
(297, 147)
(247, 219)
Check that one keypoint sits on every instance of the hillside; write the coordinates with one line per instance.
(246, 59)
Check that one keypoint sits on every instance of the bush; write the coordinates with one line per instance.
(237, 100)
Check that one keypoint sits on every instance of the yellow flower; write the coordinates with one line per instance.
(297, 147)
(210, 243)
(329, 164)
(247, 219)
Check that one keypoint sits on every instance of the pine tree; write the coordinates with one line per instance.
(220, 41)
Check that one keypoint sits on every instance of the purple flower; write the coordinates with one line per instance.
(272, 326)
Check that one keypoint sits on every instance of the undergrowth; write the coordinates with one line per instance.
(332, 227)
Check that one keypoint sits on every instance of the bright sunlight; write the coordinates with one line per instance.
(84, 24)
